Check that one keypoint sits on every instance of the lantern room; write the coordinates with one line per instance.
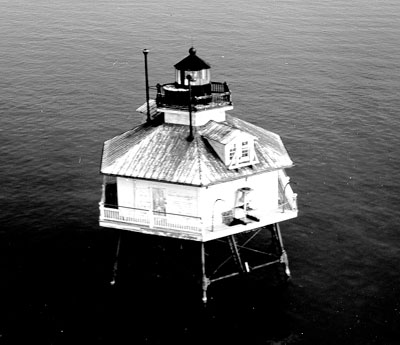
(198, 70)
(193, 80)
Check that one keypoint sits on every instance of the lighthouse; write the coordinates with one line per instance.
(193, 172)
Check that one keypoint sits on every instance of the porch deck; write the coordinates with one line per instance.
(181, 226)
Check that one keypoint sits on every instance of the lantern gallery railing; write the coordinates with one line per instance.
(170, 95)
(219, 87)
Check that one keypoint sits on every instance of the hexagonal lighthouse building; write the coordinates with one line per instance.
(191, 171)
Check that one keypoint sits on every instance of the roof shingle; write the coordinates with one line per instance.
(162, 153)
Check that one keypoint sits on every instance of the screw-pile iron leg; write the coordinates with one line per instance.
(235, 253)
(115, 268)
(276, 232)
(205, 281)
(235, 250)
(282, 259)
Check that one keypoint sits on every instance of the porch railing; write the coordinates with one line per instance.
(287, 198)
(152, 219)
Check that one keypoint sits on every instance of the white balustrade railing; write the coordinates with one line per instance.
(151, 219)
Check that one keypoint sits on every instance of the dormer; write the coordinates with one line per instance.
(233, 146)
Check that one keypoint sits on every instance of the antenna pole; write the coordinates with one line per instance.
(145, 52)
(190, 137)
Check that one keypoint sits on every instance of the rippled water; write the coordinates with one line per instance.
(325, 75)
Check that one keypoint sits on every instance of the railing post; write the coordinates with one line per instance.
(101, 209)
(103, 190)
(151, 219)
(294, 201)
(159, 95)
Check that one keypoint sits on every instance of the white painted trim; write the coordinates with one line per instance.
(199, 118)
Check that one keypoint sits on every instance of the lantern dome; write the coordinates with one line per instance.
(192, 62)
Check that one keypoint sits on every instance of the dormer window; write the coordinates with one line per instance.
(233, 146)
(245, 151)
(232, 151)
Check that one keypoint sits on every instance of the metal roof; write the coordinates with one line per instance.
(221, 132)
(162, 153)
(192, 62)
(152, 107)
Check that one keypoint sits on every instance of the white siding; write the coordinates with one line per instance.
(222, 197)
(125, 192)
(199, 118)
(141, 194)
(209, 203)
(266, 190)
(182, 200)
(125, 188)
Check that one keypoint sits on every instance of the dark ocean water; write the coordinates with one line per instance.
(325, 75)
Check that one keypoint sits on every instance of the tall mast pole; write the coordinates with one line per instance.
(145, 52)
(190, 137)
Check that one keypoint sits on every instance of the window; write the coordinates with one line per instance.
(245, 150)
(232, 151)
(240, 152)
(159, 202)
